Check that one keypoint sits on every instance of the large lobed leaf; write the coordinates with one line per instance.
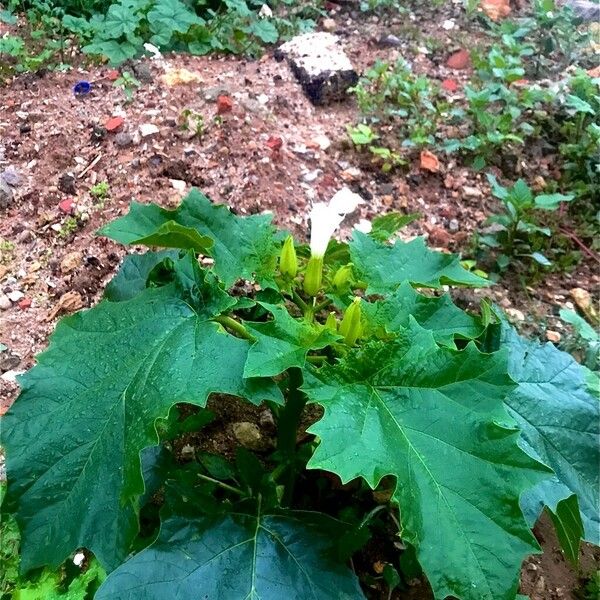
(88, 408)
(237, 557)
(438, 314)
(560, 424)
(384, 267)
(243, 247)
(431, 417)
(283, 342)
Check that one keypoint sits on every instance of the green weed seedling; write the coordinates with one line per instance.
(429, 405)
(128, 83)
(519, 223)
(100, 190)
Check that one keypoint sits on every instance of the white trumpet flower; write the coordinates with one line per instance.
(326, 218)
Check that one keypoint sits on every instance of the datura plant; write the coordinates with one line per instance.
(447, 424)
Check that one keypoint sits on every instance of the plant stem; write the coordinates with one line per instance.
(225, 486)
(299, 302)
(318, 360)
(289, 421)
(322, 305)
(236, 327)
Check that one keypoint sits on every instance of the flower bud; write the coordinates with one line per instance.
(342, 277)
(313, 275)
(331, 322)
(350, 326)
(288, 263)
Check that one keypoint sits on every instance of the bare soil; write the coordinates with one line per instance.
(50, 252)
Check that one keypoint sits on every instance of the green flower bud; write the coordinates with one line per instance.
(350, 326)
(288, 263)
(342, 277)
(313, 275)
(331, 322)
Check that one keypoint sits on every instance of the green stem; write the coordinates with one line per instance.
(225, 486)
(371, 514)
(321, 306)
(317, 360)
(289, 421)
(235, 326)
(299, 302)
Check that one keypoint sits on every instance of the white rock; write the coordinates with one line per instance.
(148, 129)
(178, 185)
(5, 303)
(15, 296)
(11, 376)
(472, 192)
(311, 176)
(515, 314)
(323, 141)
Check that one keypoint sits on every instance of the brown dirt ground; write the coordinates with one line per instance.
(45, 132)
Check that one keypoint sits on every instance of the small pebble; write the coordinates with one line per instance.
(15, 296)
(5, 302)
(553, 336)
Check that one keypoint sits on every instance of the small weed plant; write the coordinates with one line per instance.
(449, 422)
(519, 224)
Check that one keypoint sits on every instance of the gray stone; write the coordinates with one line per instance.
(123, 139)
(11, 176)
(320, 65)
(389, 41)
(6, 194)
(143, 72)
(9, 361)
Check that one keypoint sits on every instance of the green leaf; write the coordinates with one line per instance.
(6, 16)
(133, 274)
(540, 259)
(88, 408)
(581, 326)
(432, 417)
(552, 201)
(243, 247)
(120, 21)
(384, 227)
(497, 190)
(116, 52)
(283, 342)
(560, 424)
(439, 315)
(569, 528)
(264, 30)
(385, 267)
(579, 105)
(257, 557)
(150, 225)
(521, 194)
(168, 17)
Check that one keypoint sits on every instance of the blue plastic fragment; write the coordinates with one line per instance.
(81, 88)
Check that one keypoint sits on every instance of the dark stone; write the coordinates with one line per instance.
(6, 194)
(389, 41)
(66, 183)
(143, 72)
